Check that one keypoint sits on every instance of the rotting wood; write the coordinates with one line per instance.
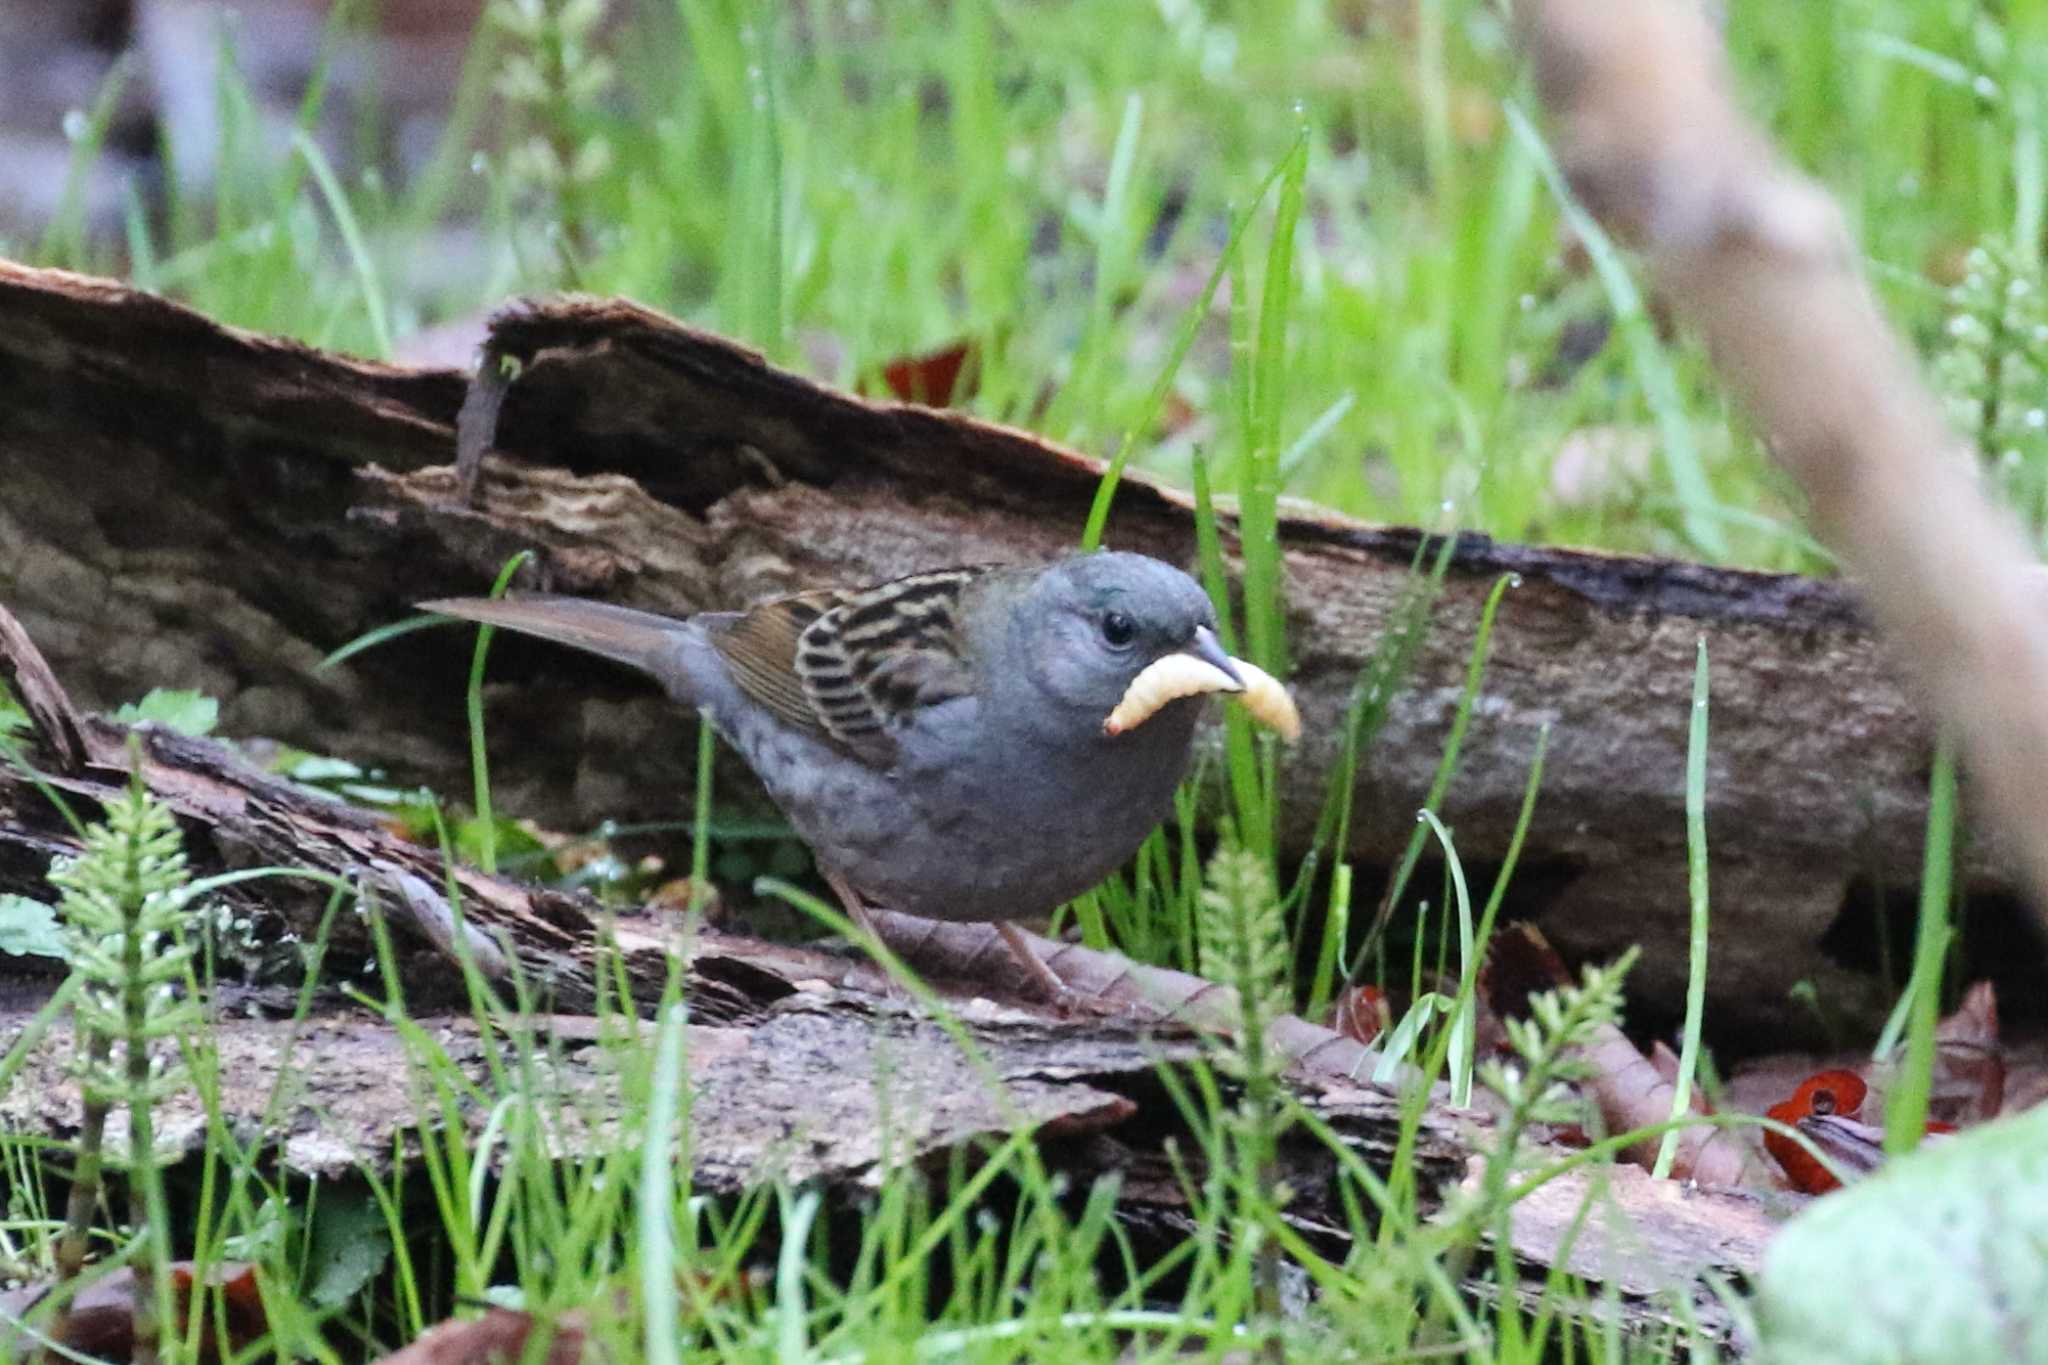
(803, 1064)
(188, 505)
(546, 949)
(837, 1087)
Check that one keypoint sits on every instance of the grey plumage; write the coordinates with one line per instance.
(938, 741)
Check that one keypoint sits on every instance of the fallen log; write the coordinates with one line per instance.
(803, 1065)
(188, 505)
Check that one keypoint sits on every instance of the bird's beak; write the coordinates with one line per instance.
(1209, 650)
(1203, 667)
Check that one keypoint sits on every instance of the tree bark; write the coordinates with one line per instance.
(187, 505)
(803, 1065)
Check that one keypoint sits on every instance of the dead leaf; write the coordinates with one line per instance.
(1360, 1013)
(937, 379)
(498, 1337)
(100, 1320)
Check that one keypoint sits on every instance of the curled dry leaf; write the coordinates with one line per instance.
(1183, 675)
(1826, 1095)
(1838, 1112)
(1630, 1090)
(1969, 1062)
(1361, 1014)
(1969, 1085)
(1666, 1063)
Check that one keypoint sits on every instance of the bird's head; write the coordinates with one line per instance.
(1088, 627)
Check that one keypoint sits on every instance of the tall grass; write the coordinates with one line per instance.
(1256, 251)
(1054, 183)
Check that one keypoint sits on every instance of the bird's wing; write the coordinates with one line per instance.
(849, 663)
(759, 647)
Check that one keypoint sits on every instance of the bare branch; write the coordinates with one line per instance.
(1755, 257)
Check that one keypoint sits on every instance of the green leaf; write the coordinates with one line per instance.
(313, 769)
(13, 715)
(267, 1234)
(508, 842)
(1937, 1257)
(187, 712)
(29, 928)
(350, 1243)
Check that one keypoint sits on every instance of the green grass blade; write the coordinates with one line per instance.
(1652, 368)
(1905, 1114)
(1447, 766)
(1464, 1012)
(370, 639)
(654, 1198)
(360, 256)
(473, 705)
(1696, 870)
(1183, 341)
(63, 240)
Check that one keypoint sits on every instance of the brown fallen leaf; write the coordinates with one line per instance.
(1629, 1089)
(1969, 1062)
(498, 1337)
(937, 379)
(1666, 1062)
(100, 1320)
(1361, 1014)
(501, 1336)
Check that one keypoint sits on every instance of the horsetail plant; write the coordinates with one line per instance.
(555, 79)
(1245, 946)
(1536, 1087)
(1991, 367)
(122, 902)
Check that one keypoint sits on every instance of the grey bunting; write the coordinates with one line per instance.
(968, 744)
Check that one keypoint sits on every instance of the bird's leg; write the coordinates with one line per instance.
(857, 911)
(1056, 990)
(1045, 978)
(856, 908)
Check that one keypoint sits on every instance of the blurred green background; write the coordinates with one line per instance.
(1051, 183)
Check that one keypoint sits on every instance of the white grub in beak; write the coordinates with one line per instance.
(1183, 675)
(1164, 680)
(1269, 702)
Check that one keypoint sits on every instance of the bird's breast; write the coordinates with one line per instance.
(1019, 828)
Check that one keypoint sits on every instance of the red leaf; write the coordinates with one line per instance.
(1824, 1095)
(934, 378)
(1360, 1013)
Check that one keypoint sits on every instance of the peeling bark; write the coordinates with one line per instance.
(187, 505)
(803, 1065)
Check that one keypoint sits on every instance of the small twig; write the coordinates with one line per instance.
(48, 704)
(476, 424)
(1756, 258)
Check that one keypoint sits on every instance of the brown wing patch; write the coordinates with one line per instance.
(760, 647)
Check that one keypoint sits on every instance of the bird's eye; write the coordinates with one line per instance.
(1118, 629)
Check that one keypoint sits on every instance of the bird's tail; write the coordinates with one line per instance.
(640, 639)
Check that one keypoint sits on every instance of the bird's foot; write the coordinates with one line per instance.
(1062, 997)
(857, 911)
